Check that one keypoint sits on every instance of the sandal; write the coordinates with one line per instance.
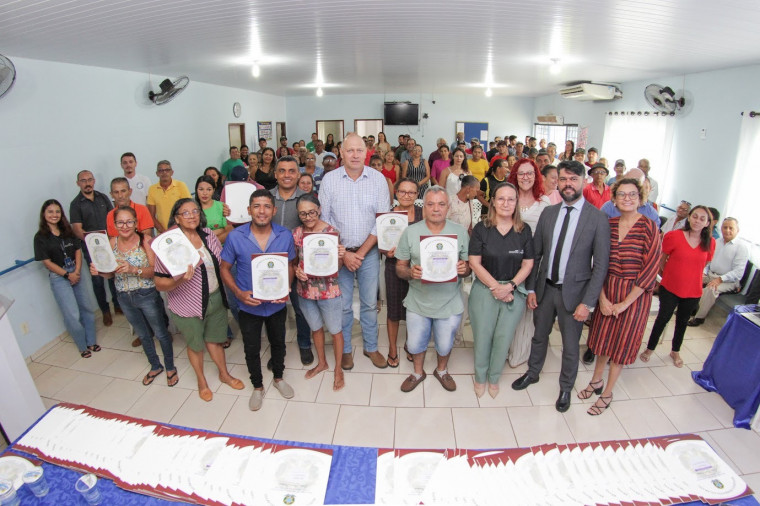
(94, 347)
(86, 354)
(227, 343)
(148, 379)
(645, 356)
(677, 361)
(597, 410)
(408, 355)
(392, 361)
(172, 378)
(591, 389)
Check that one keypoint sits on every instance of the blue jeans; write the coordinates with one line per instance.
(368, 277)
(418, 332)
(77, 310)
(99, 287)
(303, 332)
(144, 310)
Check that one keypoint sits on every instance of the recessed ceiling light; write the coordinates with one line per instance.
(555, 67)
(319, 92)
(255, 70)
(489, 92)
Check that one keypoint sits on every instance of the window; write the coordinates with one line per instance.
(558, 134)
(742, 203)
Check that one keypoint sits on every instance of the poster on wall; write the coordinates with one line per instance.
(265, 129)
(582, 137)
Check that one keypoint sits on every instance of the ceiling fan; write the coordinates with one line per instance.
(169, 90)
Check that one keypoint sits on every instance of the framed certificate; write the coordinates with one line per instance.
(269, 272)
(320, 254)
(439, 255)
(236, 196)
(176, 251)
(389, 228)
(100, 251)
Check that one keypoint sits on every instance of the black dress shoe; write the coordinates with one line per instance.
(523, 382)
(695, 322)
(563, 401)
(588, 357)
(307, 357)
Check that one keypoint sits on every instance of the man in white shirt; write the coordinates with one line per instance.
(678, 221)
(724, 272)
(654, 187)
(138, 182)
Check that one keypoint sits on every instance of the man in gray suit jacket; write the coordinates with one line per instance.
(572, 246)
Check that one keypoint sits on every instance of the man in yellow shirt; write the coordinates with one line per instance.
(163, 195)
(478, 165)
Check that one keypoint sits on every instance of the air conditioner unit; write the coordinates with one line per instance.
(591, 91)
(551, 119)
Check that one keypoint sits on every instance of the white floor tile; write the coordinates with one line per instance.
(506, 396)
(199, 414)
(642, 383)
(424, 428)
(129, 365)
(307, 421)
(63, 355)
(687, 413)
(642, 418)
(438, 397)
(261, 423)
(546, 391)
(536, 425)
(742, 446)
(97, 362)
(36, 368)
(386, 391)
(83, 389)
(483, 428)
(365, 426)
(51, 381)
(718, 407)
(585, 427)
(356, 390)
(118, 396)
(678, 380)
(159, 403)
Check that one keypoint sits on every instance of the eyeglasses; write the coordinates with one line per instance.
(598, 172)
(308, 214)
(128, 223)
(88, 180)
(163, 170)
(627, 196)
(525, 175)
(505, 200)
(190, 214)
(404, 193)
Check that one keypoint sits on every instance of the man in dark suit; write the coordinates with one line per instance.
(572, 246)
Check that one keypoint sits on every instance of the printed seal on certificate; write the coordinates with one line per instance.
(176, 251)
(100, 251)
(439, 255)
(269, 276)
(320, 254)
(389, 228)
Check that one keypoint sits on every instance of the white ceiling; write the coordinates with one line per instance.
(388, 46)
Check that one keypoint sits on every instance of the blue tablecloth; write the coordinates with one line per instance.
(733, 367)
(352, 481)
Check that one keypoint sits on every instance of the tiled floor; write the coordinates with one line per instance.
(650, 399)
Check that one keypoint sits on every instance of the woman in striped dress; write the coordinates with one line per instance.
(619, 321)
(417, 169)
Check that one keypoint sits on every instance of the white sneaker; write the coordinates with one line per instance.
(284, 389)
(257, 398)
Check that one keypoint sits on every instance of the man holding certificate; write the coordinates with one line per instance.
(432, 255)
(261, 290)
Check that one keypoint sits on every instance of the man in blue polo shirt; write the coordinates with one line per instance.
(262, 236)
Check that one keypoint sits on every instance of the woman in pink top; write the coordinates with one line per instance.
(439, 165)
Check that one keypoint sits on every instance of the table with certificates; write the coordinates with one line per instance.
(389, 228)
(236, 196)
(176, 251)
(100, 251)
(439, 255)
(269, 272)
(320, 254)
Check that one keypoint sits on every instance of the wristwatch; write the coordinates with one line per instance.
(588, 308)
(66, 275)
(514, 285)
(139, 272)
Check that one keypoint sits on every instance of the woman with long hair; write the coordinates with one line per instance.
(197, 304)
(684, 256)
(569, 152)
(306, 183)
(417, 169)
(216, 177)
(396, 288)
(264, 174)
(440, 165)
(501, 257)
(329, 143)
(495, 176)
(390, 169)
(452, 176)
(213, 209)
(618, 324)
(60, 251)
(319, 297)
(532, 202)
(283, 151)
(136, 291)
(382, 145)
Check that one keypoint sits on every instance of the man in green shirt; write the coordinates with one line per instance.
(431, 306)
(233, 161)
(312, 145)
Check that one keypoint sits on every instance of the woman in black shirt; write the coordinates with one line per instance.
(501, 257)
(56, 246)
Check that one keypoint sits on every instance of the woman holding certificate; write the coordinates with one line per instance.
(196, 304)
(319, 294)
(56, 246)
(501, 256)
(137, 293)
(397, 288)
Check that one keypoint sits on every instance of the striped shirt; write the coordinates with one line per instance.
(350, 206)
(190, 298)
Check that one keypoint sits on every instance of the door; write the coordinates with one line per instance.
(237, 134)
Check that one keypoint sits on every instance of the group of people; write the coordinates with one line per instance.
(542, 245)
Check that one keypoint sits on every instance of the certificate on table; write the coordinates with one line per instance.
(389, 228)
(176, 251)
(439, 255)
(320, 254)
(269, 272)
(100, 251)
(236, 196)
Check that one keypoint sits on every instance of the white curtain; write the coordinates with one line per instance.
(742, 199)
(633, 137)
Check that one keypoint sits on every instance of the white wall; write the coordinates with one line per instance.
(504, 115)
(60, 118)
(701, 168)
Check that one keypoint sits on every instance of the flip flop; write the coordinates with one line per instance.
(171, 376)
(148, 379)
(94, 347)
(392, 361)
(227, 344)
(86, 354)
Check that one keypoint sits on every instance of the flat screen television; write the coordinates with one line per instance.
(401, 113)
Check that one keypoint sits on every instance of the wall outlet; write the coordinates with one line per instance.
(703, 134)
(24, 328)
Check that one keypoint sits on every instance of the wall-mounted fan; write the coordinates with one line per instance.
(7, 75)
(169, 90)
(663, 98)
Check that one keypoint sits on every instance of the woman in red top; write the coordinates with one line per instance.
(684, 256)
